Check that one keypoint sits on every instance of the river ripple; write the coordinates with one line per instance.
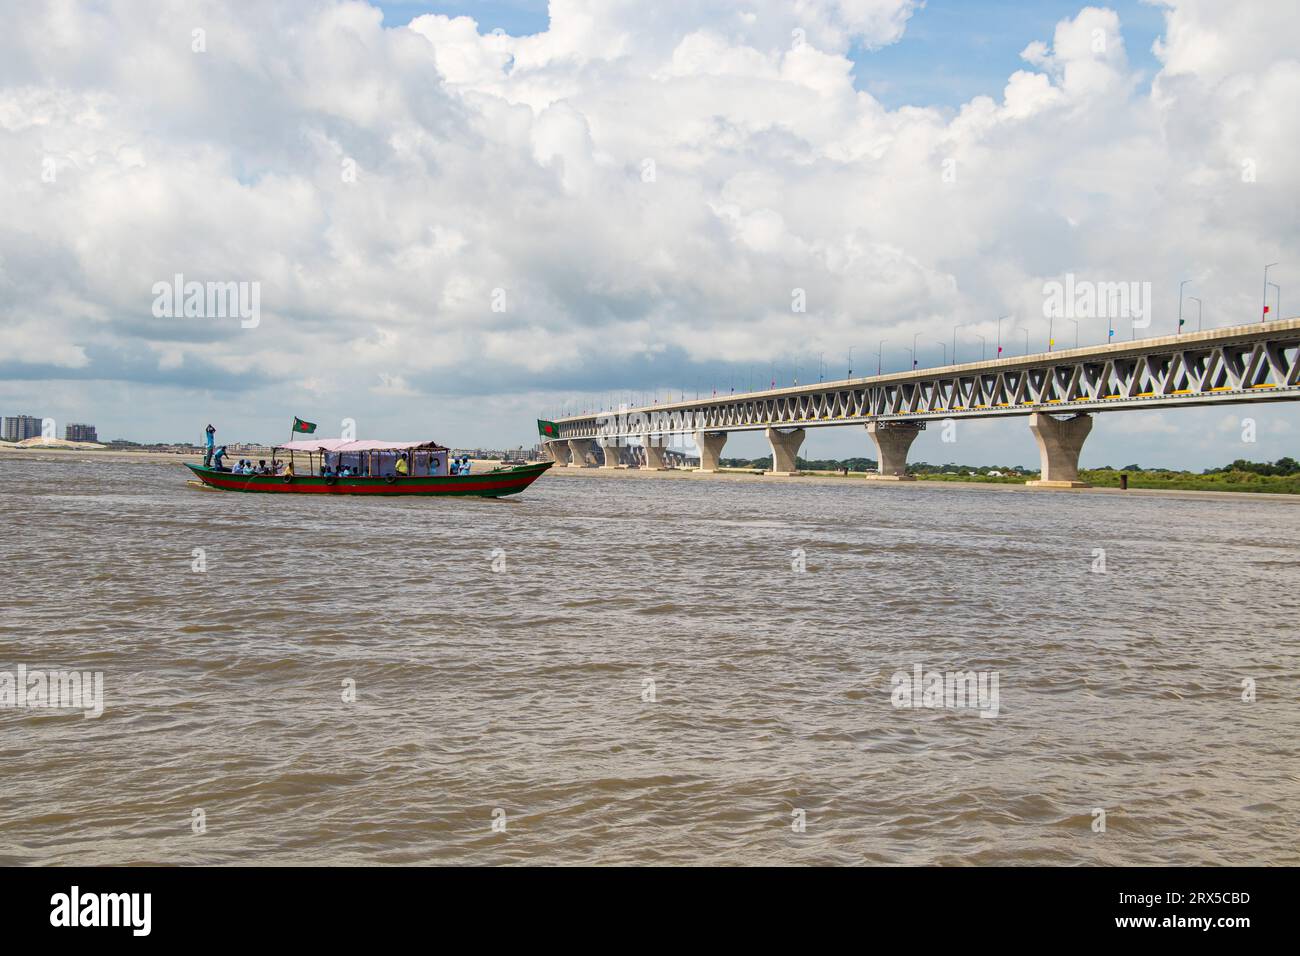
(522, 689)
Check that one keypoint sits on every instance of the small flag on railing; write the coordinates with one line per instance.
(1110, 333)
(305, 428)
(1266, 310)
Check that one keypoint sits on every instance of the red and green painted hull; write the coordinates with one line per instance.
(488, 484)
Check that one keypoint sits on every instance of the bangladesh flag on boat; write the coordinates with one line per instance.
(302, 427)
(547, 429)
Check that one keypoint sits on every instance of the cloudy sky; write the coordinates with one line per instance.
(462, 216)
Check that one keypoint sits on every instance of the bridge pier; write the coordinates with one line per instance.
(654, 456)
(611, 452)
(785, 450)
(580, 452)
(892, 440)
(559, 451)
(710, 444)
(1059, 443)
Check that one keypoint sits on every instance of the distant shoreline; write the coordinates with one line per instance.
(923, 481)
(1006, 484)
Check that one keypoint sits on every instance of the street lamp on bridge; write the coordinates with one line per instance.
(1180, 305)
(1000, 320)
(1263, 316)
(1192, 298)
(1278, 300)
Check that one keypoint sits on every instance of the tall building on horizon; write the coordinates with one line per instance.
(78, 432)
(18, 427)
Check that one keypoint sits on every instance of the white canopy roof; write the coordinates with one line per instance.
(339, 444)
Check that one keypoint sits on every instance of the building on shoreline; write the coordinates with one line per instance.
(21, 427)
(78, 432)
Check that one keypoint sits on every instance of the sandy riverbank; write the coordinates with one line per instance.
(862, 481)
(84, 454)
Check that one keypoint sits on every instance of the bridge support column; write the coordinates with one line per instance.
(892, 440)
(1059, 443)
(710, 444)
(611, 452)
(785, 450)
(580, 453)
(559, 451)
(654, 456)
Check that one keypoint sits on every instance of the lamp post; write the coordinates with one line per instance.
(1000, 319)
(879, 350)
(984, 346)
(1192, 298)
(850, 375)
(1076, 332)
(1263, 316)
(944, 346)
(1180, 305)
(1278, 299)
(1026, 331)
(914, 358)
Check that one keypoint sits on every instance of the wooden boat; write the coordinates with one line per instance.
(426, 472)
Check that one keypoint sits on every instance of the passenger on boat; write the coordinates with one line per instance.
(400, 467)
(219, 454)
(288, 469)
(211, 433)
(261, 467)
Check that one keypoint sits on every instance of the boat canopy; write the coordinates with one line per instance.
(341, 445)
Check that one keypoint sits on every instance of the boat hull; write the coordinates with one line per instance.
(488, 484)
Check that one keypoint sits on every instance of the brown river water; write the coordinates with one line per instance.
(639, 672)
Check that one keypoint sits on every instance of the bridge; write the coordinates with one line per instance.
(1059, 391)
